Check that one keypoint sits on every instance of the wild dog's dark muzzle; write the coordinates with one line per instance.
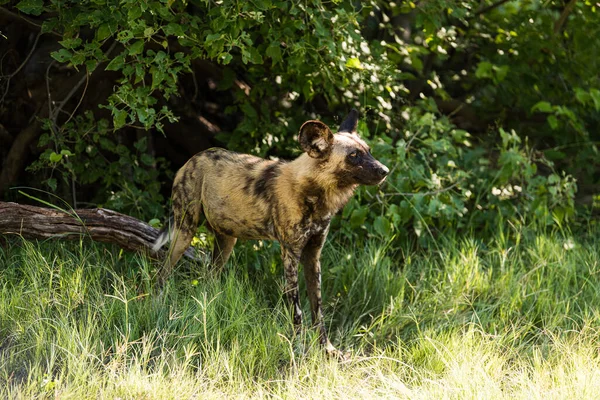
(382, 171)
(374, 173)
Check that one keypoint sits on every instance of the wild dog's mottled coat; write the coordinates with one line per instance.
(242, 196)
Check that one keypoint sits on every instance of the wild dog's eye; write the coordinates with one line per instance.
(354, 154)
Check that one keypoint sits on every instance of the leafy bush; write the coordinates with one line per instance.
(453, 94)
(442, 178)
(87, 152)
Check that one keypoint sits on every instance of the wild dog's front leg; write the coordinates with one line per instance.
(186, 216)
(181, 241)
(290, 264)
(312, 273)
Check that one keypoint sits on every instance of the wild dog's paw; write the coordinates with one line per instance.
(332, 352)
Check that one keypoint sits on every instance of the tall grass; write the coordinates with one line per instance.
(504, 319)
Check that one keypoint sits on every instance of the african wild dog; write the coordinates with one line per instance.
(242, 196)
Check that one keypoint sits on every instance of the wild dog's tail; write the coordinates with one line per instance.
(165, 235)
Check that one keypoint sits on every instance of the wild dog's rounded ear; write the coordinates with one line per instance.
(350, 122)
(315, 139)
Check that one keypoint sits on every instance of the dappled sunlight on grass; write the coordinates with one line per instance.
(466, 320)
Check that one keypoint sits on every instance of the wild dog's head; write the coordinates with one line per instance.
(344, 159)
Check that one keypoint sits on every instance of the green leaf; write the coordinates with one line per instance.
(154, 222)
(78, 58)
(213, 37)
(308, 90)
(434, 206)
(274, 52)
(119, 118)
(160, 56)
(91, 65)
(501, 72)
(394, 213)
(147, 159)
(582, 96)
(62, 55)
(382, 226)
(116, 63)
(320, 29)
(218, 24)
(354, 63)
(595, 94)
(54, 157)
(225, 58)
(542, 106)
(251, 54)
(124, 35)
(141, 145)
(559, 214)
(552, 121)
(70, 43)
(358, 217)
(416, 62)
(103, 31)
(158, 76)
(484, 70)
(553, 178)
(173, 29)
(146, 116)
(33, 7)
(554, 155)
(49, 25)
(249, 111)
(136, 48)
(52, 183)
(134, 12)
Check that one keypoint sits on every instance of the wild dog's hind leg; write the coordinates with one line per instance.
(312, 273)
(222, 250)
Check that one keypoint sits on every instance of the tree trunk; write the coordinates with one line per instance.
(98, 224)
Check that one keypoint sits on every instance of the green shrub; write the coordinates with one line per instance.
(443, 178)
(280, 63)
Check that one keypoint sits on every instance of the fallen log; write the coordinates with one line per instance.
(98, 224)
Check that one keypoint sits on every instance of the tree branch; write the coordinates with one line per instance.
(98, 224)
(9, 77)
(54, 114)
(490, 7)
(24, 20)
(5, 136)
(16, 156)
(563, 16)
(434, 192)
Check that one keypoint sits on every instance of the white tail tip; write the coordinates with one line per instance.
(162, 239)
